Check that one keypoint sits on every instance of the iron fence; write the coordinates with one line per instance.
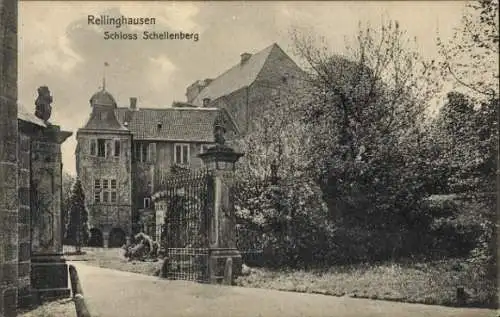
(184, 234)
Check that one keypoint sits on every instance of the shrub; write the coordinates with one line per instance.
(287, 221)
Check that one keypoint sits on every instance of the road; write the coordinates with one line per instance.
(111, 293)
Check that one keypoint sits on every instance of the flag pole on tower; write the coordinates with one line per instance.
(106, 64)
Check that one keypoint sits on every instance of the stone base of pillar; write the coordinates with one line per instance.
(24, 297)
(105, 240)
(217, 262)
(8, 307)
(49, 277)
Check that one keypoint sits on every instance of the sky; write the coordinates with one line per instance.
(59, 49)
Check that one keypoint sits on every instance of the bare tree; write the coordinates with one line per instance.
(470, 57)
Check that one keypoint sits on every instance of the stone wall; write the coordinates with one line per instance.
(9, 207)
(236, 105)
(106, 216)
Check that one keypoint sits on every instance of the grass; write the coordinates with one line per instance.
(61, 308)
(433, 283)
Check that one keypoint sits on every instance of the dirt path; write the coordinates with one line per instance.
(111, 293)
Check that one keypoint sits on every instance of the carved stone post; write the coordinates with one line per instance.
(49, 271)
(220, 161)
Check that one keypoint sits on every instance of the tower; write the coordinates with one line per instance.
(103, 162)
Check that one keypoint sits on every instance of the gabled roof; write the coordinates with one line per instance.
(188, 124)
(237, 77)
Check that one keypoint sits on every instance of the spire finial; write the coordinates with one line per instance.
(106, 64)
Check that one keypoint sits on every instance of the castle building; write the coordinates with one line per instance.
(258, 81)
(123, 151)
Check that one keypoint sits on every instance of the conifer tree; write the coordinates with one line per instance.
(77, 229)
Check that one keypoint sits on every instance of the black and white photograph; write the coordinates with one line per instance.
(249, 158)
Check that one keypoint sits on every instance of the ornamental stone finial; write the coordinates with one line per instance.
(219, 132)
(43, 103)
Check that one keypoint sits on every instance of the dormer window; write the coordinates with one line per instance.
(103, 116)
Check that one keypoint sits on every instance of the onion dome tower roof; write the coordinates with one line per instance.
(103, 98)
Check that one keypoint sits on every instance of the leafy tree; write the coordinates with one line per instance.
(277, 138)
(77, 229)
(465, 136)
(366, 115)
(470, 58)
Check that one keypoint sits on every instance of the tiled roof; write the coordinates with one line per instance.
(103, 118)
(177, 123)
(237, 77)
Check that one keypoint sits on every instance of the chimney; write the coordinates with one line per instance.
(133, 103)
(245, 57)
(206, 102)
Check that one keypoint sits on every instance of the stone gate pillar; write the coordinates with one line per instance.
(220, 160)
(49, 271)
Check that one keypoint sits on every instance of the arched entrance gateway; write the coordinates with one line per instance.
(96, 239)
(117, 238)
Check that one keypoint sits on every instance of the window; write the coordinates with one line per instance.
(93, 147)
(147, 202)
(152, 152)
(97, 190)
(145, 151)
(105, 191)
(181, 154)
(141, 152)
(105, 196)
(109, 149)
(117, 148)
(114, 195)
(137, 152)
(144, 154)
(101, 147)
